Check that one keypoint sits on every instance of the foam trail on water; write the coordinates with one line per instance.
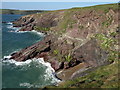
(33, 31)
(48, 73)
(9, 23)
(17, 63)
(38, 33)
(26, 84)
(10, 26)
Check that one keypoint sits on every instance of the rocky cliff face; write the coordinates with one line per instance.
(71, 37)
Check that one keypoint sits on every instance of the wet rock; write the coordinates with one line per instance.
(4, 22)
(13, 53)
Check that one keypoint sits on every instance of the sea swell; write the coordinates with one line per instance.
(36, 69)
(32, 73)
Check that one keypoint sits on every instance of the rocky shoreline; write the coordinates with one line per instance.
(70, 44)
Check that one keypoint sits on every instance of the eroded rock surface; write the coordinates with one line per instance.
(69, 38)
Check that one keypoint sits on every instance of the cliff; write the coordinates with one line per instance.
(78, 40)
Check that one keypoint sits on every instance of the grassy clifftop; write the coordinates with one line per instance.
(23, 12)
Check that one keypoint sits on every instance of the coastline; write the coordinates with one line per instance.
(33, 31)
(7, 58)
(50, 72)
(73, 46)
(17, 29)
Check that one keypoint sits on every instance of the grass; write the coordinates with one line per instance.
(23, 12)
(67, 20)
(38, 28)
(106, 42)
(68, 58)
(113, 34)
(105, 76)
(56, 52)
(103, 7)
(107, 22)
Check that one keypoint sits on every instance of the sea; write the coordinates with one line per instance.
(32, 73)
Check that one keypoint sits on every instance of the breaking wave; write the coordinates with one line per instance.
(33, 73)
(33, 31)
(10, 26)
(9, 23)
(16, 30)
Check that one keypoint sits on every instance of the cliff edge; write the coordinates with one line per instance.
(78, 40)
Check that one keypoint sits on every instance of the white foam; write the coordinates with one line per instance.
(26, 85)
(42, 34)
(7, 57)
(21, 31)
(9, 23)
(16, 62)
(47, 76)
(13, 28)
(33, 31)
(48, 71)
(10, 26)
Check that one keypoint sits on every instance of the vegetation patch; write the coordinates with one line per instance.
(41, 28)
(68, 58)
(22, 12)
(108, 43)
(107, 22)
(56, 52)
(104, 76)
(97, 79)
(106, 10)
(67, 20)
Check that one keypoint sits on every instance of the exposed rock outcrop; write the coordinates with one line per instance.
(69, 38)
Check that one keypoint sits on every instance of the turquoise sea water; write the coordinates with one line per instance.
(12, 41)
(33, 73)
